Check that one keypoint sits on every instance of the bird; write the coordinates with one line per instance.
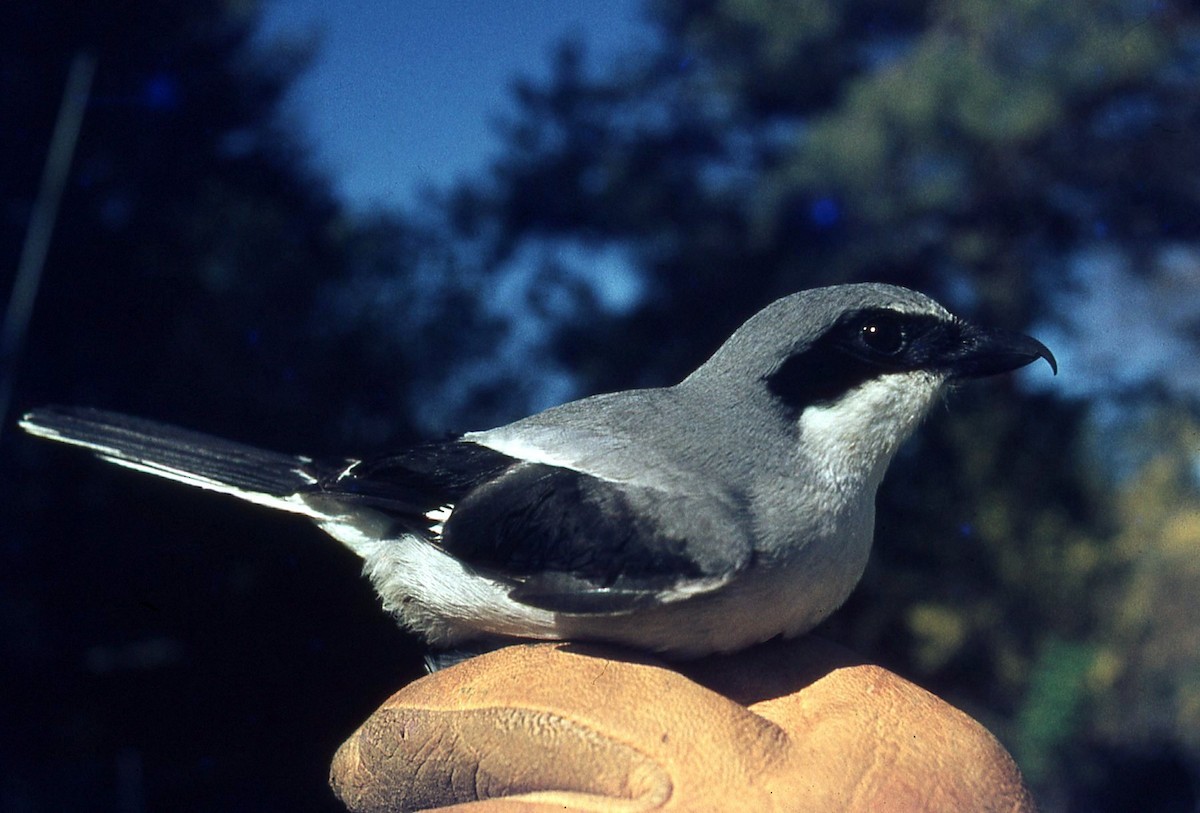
(733, 507)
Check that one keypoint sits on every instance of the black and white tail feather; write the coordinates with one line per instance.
(412, 488)
(195, 459)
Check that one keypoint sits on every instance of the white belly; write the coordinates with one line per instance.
(448, 603)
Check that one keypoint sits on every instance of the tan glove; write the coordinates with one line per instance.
(794, 726)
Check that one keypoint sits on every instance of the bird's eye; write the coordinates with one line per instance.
(883, 335)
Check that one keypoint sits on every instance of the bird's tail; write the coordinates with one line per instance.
(258, 476)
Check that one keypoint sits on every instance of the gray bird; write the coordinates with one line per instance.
(733, 507)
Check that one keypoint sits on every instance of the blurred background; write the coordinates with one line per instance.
(338, 227)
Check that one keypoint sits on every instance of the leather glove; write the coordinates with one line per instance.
(800, 725)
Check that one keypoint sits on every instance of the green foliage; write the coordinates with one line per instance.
(1148, 689)
(956, 146)
(1049, 716)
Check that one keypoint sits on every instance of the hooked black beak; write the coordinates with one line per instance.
(988, 351)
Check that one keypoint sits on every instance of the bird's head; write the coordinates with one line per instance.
(857, 366)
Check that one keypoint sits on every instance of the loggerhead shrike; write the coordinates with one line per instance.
(733, 507)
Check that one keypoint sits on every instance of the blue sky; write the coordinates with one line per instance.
(404, 92)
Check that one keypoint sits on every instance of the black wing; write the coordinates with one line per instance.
(567, 541)
(419, 480)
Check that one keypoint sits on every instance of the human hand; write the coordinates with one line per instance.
(798, 725)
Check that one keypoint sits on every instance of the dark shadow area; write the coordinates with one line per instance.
(774, 669)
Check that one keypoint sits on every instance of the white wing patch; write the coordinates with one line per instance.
(346, 472)
(438, 517)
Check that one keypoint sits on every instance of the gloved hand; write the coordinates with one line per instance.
(787, 726)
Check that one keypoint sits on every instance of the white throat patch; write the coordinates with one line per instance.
(856, 435)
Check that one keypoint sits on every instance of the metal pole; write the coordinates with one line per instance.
(41, 224)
